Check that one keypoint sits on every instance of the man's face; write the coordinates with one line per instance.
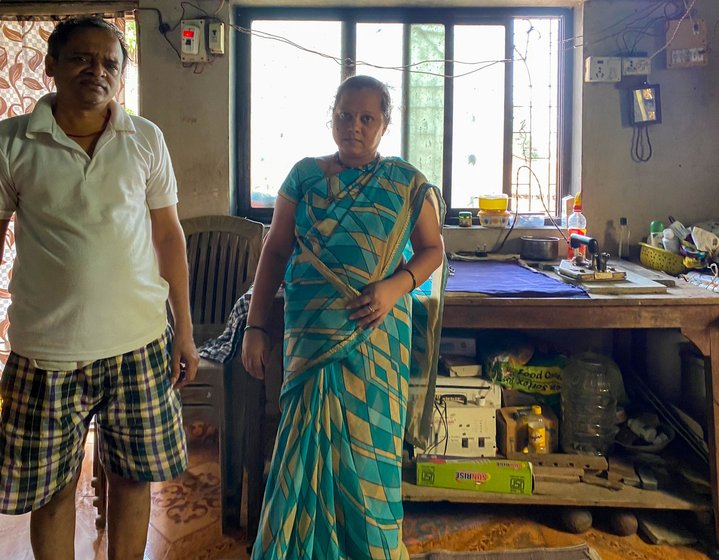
(88, 70)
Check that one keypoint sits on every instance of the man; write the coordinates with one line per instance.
(100, 251)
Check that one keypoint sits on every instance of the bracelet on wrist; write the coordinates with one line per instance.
(256, 328)
(414, 279)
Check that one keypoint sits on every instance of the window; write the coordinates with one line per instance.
(480, 97)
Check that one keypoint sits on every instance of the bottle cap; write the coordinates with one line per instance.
(622, 221)
(578, 202)
(536, 409)
(656, 226)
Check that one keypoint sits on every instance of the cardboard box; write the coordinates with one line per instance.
(512, 428)
(479, 475)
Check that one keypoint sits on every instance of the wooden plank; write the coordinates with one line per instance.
(590, 462)
(51, 8)
(563, 494)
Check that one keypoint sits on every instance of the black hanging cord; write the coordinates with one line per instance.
(641, 144)
(163, 27)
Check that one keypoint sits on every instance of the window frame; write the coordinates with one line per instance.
(240, 195)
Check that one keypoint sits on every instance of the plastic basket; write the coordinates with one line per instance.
(661, 259)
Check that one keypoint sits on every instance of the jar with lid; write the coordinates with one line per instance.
(465, 219)
(589, 405)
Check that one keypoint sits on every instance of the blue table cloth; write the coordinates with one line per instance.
(506, 279)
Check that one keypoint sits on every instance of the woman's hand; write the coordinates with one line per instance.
(375, 302)
(255, 352)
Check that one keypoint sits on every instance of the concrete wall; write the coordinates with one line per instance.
(194, 110)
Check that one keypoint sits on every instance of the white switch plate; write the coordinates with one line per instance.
(636, 65)
(602, 69)
(216, 37)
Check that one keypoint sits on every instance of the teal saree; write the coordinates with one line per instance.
(350, 396)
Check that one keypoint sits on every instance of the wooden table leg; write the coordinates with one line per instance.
(232, 449)
(712, 384)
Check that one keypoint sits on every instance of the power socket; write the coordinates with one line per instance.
(602, 69)
(636, 65)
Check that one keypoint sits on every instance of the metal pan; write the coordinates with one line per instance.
(538, 248)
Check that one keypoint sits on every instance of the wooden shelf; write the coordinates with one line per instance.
(565, 494)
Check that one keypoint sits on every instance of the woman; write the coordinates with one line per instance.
(344, 222)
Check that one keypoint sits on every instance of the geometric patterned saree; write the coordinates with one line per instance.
(349, 396)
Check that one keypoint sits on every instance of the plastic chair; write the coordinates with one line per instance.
(222, 254)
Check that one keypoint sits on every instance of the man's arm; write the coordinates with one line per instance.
(169, 242)
(3, 231)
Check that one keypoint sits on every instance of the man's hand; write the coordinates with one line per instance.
(185, 359)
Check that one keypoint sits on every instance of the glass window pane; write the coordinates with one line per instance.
(425, 110)
(478, 117)
(291, 97)
(535, 100)
(379, 54)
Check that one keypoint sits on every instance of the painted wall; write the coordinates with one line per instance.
(194, 110)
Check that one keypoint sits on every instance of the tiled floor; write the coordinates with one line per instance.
(185, 525)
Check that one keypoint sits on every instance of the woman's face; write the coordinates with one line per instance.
(358, 125)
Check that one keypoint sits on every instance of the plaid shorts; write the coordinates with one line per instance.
(46, 414)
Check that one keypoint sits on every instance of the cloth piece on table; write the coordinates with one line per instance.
(223, 348)
(507, 279)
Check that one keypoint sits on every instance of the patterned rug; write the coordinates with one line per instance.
(185, 525)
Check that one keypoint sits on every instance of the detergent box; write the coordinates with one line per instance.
(480, 475)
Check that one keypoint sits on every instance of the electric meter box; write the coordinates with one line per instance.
(193, 37)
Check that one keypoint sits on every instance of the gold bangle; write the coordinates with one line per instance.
(414, 279)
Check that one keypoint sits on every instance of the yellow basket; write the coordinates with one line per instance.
(661, 259)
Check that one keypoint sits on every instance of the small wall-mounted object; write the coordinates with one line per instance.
(216, 37)
(686, 43)
(193, 46)
(602, 69)
(645, 105)
(636, 65)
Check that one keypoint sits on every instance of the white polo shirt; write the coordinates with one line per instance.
(85, 283)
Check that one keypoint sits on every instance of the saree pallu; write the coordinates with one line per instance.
(335, 484)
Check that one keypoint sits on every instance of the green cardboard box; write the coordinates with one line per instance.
(480, 475)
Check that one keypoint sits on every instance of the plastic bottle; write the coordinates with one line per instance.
(589, 405)
(577, 223)
(623, 239)
(670, 242)
(656, 233)
(537, 431)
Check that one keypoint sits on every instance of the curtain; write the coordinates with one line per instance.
(23, 45)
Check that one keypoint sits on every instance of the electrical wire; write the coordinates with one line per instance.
(686, 13)
(163, 28)
(641, 144)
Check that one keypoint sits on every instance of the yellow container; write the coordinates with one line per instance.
(660, 259)
(493, 202)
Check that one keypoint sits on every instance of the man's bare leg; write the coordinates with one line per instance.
(52, 527)
(128, 517)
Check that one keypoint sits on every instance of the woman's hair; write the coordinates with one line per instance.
(355, 83)
(68, 27)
